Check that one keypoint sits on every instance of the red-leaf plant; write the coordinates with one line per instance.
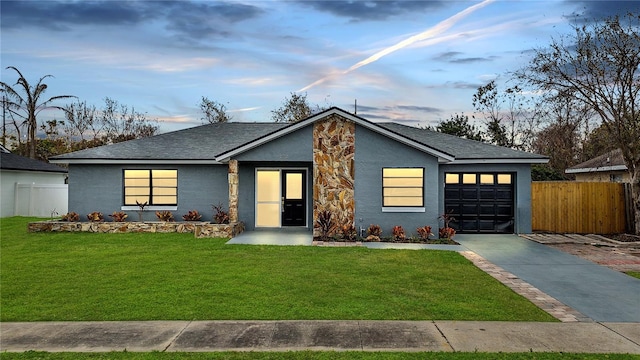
(424, 232)
(398, 233)
(192, 215)
(118, 216)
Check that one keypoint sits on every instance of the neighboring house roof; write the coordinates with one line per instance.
(9, 161)
(610, 161)
(217, 143)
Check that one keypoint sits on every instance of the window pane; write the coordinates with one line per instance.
(402, 172)
(268, 215)
(131, 191)
(136, 174)
(164, 200)
(486, 178)
(131, 200)
(164, 174)
(504, 178)
(452, 178)
(165, 182)
(402, 201)
(468, 178)
(402, 182)
(403, 192)
(164, 191)
(136, 182)
(402, 186)
(268, 185)
(293, 186)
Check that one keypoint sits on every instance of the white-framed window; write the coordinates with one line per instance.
(155, 187)
(403, 187)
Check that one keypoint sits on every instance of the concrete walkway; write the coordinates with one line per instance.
(447, 336)
(602, 294)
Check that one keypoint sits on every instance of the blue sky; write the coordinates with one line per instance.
(414, 62)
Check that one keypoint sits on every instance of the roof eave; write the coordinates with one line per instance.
(501, 161)
(597, 169)
(137, 161)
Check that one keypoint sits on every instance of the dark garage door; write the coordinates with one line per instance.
(480, 202)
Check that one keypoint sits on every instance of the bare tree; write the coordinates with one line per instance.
(28, 107)
(214, 112)
(509, 119)
(294, 108)
(121, 123)
(599, 65)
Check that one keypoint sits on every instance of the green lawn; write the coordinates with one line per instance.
(86, 276)
(635, 274)
(311, 355)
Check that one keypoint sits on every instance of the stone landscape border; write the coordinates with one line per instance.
(199, 229)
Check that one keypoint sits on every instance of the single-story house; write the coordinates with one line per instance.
(276, 175)
(608, 167)
(31, 187)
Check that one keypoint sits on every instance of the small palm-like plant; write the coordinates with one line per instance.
(219, 215)
(325, 223)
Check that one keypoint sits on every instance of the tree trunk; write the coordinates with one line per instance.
(635, 197)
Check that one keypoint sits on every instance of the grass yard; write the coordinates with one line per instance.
(635, 274)
(312, 355)
(87, 276)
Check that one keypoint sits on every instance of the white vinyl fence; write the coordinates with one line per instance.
(43, 200)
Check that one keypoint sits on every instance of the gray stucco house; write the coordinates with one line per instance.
(274, 175)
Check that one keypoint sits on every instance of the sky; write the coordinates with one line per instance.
(412, 62)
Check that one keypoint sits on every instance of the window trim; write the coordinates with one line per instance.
(151, 206)
(402, 208)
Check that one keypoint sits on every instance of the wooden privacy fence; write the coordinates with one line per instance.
(578, 207)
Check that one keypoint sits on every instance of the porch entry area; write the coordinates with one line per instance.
(281, 197)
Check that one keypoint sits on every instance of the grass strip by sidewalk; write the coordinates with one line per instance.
(87, 276)
(313, 355)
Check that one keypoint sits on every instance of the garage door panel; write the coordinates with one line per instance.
(469, 194)
(483, 206)
(487, 194)
(469, 209)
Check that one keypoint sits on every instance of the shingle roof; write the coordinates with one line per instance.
(460, 148)
(9, 161)
(197, 143)
(611, 160)
(204, 143)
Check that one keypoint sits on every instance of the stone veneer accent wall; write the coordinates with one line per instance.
(199, 229)
(233, 191)
(333, 171)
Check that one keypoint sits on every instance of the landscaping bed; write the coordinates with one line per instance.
(200, 229)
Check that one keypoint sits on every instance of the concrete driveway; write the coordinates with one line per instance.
(600, 293)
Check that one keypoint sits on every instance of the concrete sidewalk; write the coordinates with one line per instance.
(208, 336)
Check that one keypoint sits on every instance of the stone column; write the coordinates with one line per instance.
(333, 172)
(233, 191)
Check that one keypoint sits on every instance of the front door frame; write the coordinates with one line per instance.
(306, 190)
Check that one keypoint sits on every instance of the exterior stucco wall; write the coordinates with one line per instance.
(295, 146)
(374, 152)
(8, 180)
(522, 188)
(100, 188)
